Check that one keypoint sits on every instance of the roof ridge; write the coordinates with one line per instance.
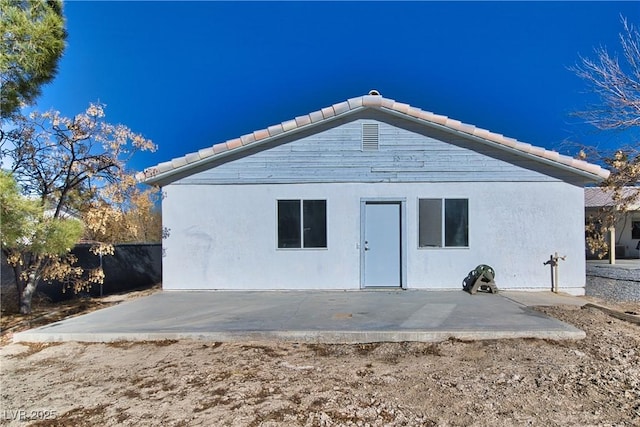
(369, 101)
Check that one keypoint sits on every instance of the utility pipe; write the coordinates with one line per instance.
(555, 268)
(612, 245)
(553, 263)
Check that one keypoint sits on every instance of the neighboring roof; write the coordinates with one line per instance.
(596, 197)
(163, 171)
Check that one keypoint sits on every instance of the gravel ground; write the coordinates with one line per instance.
(613, 283)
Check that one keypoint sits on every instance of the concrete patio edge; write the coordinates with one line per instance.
(325, 337)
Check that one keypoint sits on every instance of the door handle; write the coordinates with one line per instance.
(366, 246)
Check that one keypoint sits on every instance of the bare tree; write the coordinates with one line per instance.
(617, 86)
(71, 166)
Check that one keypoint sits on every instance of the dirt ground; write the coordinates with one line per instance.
(591, 382)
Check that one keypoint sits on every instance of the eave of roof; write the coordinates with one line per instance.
(164, 171)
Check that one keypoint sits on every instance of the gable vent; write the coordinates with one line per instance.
(369, 136)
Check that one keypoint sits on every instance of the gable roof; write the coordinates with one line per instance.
(163, 172)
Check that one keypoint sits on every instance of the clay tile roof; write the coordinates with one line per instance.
(316, 116)
(192, 157)
(289, 125)
(156, 174)
(275, 130)
(179, 162)
(355, 102)
(207, 152)
(341, 107)
(219, 148)
(328, 112)
(261, 134)
(372, 101)
(247, 139)
(234, 143)
(303, 120)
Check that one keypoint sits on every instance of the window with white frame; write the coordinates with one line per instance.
(443, 223)
(302, 224)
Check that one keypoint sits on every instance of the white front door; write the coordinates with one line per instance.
(381, 245)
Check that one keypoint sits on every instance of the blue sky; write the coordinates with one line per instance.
(191, 74)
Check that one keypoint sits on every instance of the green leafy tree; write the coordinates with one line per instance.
(33, 40)
(35, 243)
(616, 84)
(72, 167)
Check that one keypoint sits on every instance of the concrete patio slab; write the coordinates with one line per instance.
(310, 316)
(543, 298)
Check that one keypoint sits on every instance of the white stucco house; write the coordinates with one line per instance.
(627, 228)
(371, 193)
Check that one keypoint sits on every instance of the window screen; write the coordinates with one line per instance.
(430, 223)
(456, 223)
(436, 218)
(315, 223)
(302, 224)
(289, 224)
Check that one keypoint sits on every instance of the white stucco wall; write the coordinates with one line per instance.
(225, 236)
(624, 236)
